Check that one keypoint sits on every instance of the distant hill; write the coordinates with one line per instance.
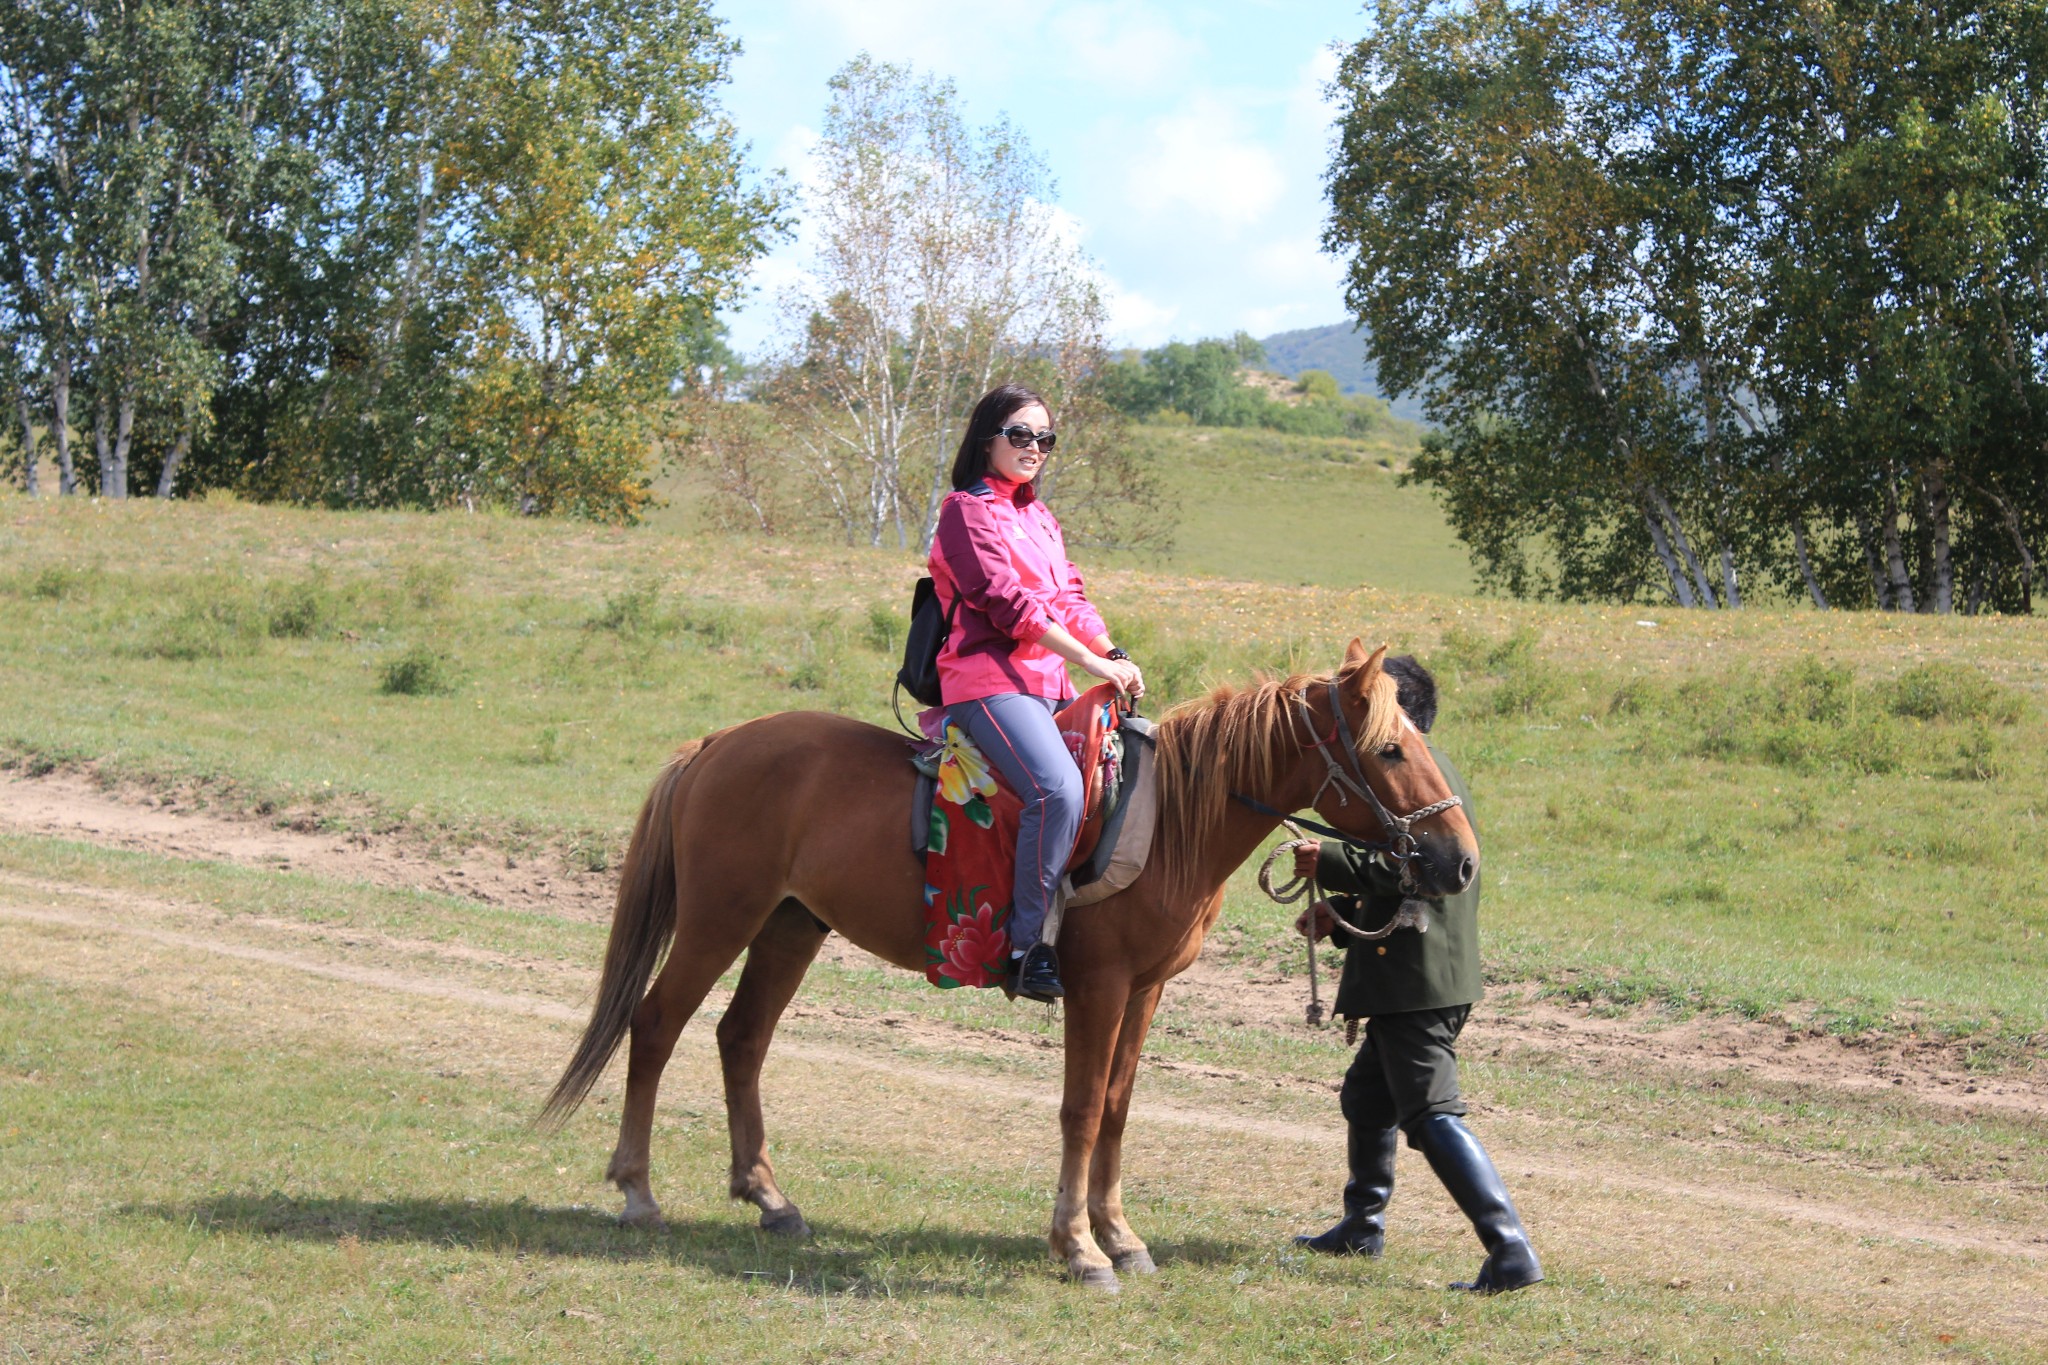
(1339, 349)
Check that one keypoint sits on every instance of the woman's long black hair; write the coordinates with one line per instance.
(970, 465)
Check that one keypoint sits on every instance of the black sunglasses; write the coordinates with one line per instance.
(1024, 437)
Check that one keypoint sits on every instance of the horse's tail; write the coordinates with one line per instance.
(642, 924)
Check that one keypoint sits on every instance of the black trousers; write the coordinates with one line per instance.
(1405, 1070)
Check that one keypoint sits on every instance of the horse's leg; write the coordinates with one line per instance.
(1094, 1014)
(776, 962)
(1126, 1250)
(701, 952)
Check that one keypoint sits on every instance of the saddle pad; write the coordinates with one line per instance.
(969, 839)
(970, 852)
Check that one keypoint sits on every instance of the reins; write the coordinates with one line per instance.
(1400, 844)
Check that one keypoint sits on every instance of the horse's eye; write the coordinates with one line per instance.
(1392, 753)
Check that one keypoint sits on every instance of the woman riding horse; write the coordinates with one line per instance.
(1020, 615)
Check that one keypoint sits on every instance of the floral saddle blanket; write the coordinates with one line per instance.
(964, 821)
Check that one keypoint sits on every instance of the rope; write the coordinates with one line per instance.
(1411, 915)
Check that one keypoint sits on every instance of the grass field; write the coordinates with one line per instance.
(1731, 812)
(1827, 823)
(1261, 506)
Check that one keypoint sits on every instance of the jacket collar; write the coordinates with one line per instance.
(1017, 494)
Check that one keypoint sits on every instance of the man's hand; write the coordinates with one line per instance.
(1325, 921)
(1305, 854)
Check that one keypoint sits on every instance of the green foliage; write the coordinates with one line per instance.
(1705, 301)
(370, 252)
(420, 671)
(1318, 385)
(1203, 383)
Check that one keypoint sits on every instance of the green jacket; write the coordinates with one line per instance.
(1406, 970)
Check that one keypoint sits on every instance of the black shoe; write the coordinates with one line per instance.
(1467, 1172)
(1362, 1231)
(1037, 974)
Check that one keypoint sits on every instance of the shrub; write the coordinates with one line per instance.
(632, 612)
(1951, 692)
(304, 609)
(419, 672)
(54, 583)
(885, 629)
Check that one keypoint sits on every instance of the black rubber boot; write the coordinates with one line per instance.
(1038, 974)
(1362, 1231)
(1467, 1172)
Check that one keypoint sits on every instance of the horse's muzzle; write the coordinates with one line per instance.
(1442, 866)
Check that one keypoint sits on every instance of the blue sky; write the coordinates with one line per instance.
(1188, 139)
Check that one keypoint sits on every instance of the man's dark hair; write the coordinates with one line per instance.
(970, 465)
(1415, 688)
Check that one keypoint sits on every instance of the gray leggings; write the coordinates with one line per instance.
(1016, 732)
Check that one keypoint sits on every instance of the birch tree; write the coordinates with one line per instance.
(940, 269)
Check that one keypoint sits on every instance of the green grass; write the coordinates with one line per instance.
(1832, 819)
(380, 1195)
(1299, 510)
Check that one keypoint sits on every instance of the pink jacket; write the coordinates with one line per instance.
(999, 552)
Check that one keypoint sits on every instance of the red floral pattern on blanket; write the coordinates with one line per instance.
(971, 847)
(969, 869)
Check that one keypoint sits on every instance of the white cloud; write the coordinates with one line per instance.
(1200, 164)
(1135, 320)
(1130, 45)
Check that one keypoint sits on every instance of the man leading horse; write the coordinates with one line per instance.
(1414, 991)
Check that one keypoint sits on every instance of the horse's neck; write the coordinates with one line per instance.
(1245, 830)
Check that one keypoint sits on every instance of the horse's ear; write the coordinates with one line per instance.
(1361, 670)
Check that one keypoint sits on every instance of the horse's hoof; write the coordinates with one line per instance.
(1137, 1262)
(1099, 1277)
(788, 1223)
(648, 1218)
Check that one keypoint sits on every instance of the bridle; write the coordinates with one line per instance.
(1349, 776)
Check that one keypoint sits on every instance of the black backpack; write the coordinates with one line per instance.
(929, 628)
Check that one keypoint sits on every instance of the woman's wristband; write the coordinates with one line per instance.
(1117, 653)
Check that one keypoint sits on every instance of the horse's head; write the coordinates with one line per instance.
(1374, 748)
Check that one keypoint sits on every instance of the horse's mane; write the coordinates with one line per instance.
(1231, 741)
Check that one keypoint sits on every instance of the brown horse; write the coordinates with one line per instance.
(762, 837)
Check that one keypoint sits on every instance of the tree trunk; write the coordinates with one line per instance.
(29, 483)
(114, 478)
(60, 424)
(168, 481)
(102, 456)
(1805, 565)
(1880, 586)
(1679, 589)
(1935, 504)
(1731, 596)
(2019, 539)
(1980, 580)
(1895, 552)
(1684, 546)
